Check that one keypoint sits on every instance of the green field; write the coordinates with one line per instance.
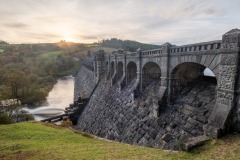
(33, 140)
(1, 50)
(51, 55)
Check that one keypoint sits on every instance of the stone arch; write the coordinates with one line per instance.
(186, 74)
(210, 61)
(134, 60)
(112, 69)
(119, 70)
(131, 71)
(150, 72)
(156, 60)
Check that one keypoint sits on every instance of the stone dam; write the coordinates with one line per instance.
(161, 98)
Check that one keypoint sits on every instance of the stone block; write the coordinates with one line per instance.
(167, 137)
(195, 141)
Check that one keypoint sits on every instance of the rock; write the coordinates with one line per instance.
(195, 141)
(173, 125)
(192, 121)
(167, 137)
(188, 126)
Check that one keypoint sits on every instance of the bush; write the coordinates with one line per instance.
(5, 119)
(66, 123)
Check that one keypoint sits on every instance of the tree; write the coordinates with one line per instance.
(9, 50)
(14, 80)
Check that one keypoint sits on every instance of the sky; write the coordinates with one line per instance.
(149, 21)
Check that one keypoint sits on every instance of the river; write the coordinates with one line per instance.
(58, 99)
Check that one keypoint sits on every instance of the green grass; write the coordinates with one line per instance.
(51, 55)
(1, 50)
(76, 66)
(33, 140)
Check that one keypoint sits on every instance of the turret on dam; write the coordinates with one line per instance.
(161, 98)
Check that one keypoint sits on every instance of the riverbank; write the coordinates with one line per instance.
(35, 140)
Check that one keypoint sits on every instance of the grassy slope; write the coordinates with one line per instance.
(33, 140)
(51, 54)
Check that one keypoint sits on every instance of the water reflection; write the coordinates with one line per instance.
(58, 99)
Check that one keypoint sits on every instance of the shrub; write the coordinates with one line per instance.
(66, 123)
(5, 119)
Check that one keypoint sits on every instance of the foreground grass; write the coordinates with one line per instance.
(33, 140)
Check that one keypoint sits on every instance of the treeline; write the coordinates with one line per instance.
(3, 42)
(127, 45)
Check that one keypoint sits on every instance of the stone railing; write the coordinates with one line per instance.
(198, 47)
(131, 54)
(154, 52)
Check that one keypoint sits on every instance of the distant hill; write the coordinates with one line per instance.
(127, 45)
(3, 42)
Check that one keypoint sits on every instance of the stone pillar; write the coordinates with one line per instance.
(139, 69)
(108, 68)
(139, 66)
(158, 102)
(122, 81)
(99, 64)
(220, 119)
(114, 77)
(165, 75)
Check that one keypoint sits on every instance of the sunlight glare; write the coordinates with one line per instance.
(69, 39)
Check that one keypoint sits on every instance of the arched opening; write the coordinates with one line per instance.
(131, 71)
(119, 70)
(151, 72)
(208, 72)
(190, 73)
(193, 96)
(112, 69)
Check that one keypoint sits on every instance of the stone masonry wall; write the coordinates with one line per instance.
(84, 82)
(114, 115)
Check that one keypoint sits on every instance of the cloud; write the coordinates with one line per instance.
(88, 37)
(16, 25)
(176, 21)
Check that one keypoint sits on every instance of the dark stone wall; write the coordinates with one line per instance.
(236, 110)
(114, 115)
(84, 82)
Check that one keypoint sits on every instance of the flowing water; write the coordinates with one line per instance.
(58, 99)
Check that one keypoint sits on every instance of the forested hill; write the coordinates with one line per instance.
(3, 42)
(127, 45)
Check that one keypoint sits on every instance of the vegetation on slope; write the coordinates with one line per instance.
(127, 45)
(28, 71)
(33, 140)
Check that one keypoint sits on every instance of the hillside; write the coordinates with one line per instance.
(127, 45)
(33, 140)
